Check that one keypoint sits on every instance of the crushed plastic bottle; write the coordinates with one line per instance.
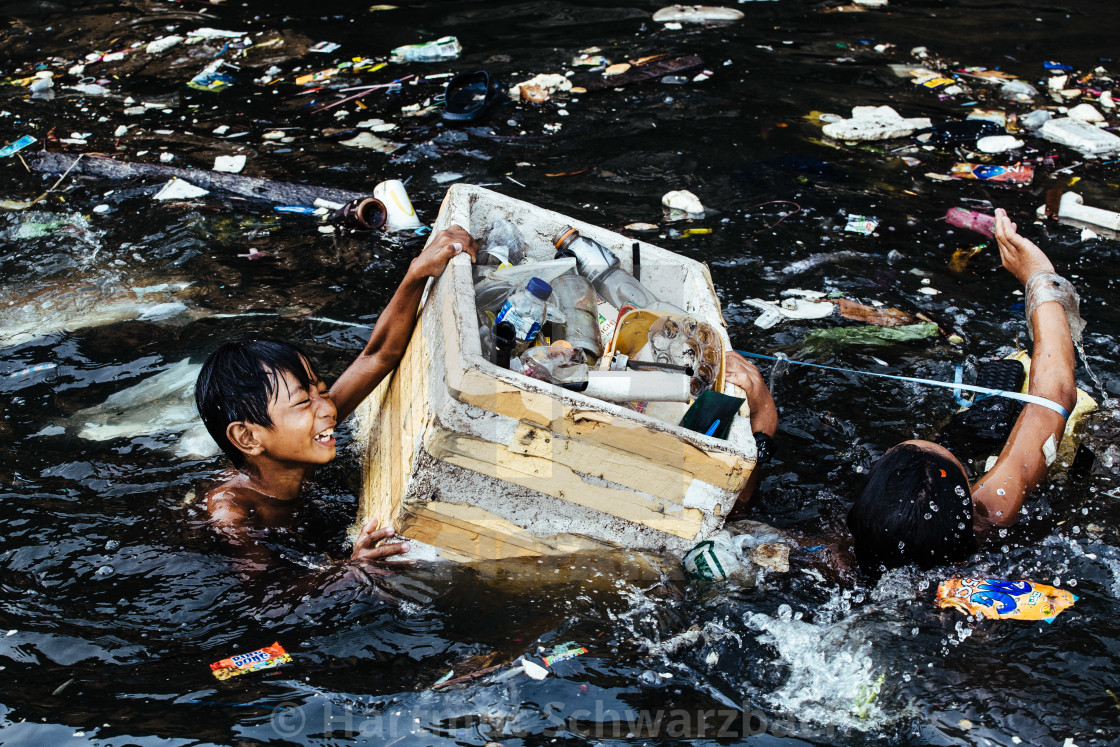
(445, 48)
(556, 364)
(502, 244)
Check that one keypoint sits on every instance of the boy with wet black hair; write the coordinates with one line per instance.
(274, 417)
(913, 508)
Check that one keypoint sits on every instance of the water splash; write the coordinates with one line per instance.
(833, 680)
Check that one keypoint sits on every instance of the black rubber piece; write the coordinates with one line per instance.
(470, 95)
(983, 428)
(1004, 374)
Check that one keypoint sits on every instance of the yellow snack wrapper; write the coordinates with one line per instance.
(262, 658)
(1000, 599)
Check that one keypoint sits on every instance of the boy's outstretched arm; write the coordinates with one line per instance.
(764, 414)
(393, 330)
(1021, 466)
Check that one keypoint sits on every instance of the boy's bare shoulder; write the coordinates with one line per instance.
(230, 503)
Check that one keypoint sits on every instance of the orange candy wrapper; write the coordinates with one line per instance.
(999, 599)
(264, 658)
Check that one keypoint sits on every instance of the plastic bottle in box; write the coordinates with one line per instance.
(525, 311)
(600, 266)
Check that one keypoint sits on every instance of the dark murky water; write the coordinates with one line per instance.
(115, 597)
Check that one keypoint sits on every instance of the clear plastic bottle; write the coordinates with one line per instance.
(600, 266)
(525, 311)
(576, 299)
(445, 48)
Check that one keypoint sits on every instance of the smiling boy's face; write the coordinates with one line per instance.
(303, 422)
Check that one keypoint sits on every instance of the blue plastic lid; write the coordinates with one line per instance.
(539, 288)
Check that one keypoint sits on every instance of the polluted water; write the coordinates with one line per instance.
(118, 595)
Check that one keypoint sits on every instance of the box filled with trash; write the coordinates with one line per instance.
(494, 438)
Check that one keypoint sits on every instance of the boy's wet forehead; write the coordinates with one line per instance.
(287, 386)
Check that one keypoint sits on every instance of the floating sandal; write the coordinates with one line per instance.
(983, 428)
(470, 95)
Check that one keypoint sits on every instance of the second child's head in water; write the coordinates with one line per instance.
(915, 508)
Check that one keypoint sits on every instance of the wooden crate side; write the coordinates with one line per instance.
(620, 467)
(395, 413)
(604, 430)
(558, 480)
(371, 418)
(463, 532)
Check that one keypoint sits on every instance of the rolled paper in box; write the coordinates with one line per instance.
(263, 658)
(999, 599)
(637, 386)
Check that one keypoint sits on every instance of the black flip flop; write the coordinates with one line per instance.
(470, 95)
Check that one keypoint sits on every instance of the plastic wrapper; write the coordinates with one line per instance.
(555, 364)
(1015, 173)
(564, 651)
(824, 340)
(999, 599)
(263, 658)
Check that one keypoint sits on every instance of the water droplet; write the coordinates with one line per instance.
(112, 545)
(1058, 581)
(961, 525)
(785, 612)
(1003, 533)
(913, 631)
(1072, 582)
(1001, 491)
(901, 544)
(105, 571)
(1004, 549)
(934, 507)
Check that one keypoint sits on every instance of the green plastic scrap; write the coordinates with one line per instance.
(824, 340)
(867, 696)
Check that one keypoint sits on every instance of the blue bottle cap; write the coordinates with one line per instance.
(539, 288)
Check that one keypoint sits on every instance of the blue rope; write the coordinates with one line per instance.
(1028, 398)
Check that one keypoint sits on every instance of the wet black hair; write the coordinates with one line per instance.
(238, 381)
(916, 507)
